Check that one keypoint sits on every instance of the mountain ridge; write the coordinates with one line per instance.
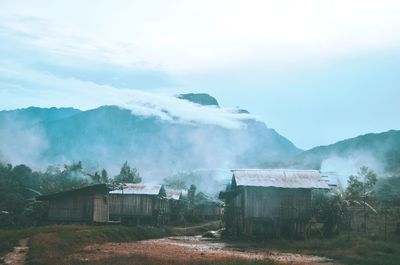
(383, 146)
(109, 135)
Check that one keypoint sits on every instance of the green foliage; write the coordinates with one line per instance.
(128, 175)
(16, 185)
(192, 193)
(55, 179)
(330, 209)
(104, 176)
(20, 185)
(393, 161)
(388, 191)
(360, 189)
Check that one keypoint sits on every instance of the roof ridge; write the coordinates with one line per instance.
(274, 169)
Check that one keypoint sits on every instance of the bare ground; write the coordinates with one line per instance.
(190, 249)
(18, 255)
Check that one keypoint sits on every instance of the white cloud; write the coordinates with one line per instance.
(33, 88)
(186, 36)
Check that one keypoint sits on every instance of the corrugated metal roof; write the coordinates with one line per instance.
(86, 189)
(331, 178)
(173, 194)
(281, 178)
(143, 189)
(202, 198)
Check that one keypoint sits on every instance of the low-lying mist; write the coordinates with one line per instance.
(159, 148)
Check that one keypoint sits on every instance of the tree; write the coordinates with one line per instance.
(330, 209)
(360, 189)
(388, 191)
(192, 193)
(95, 178)
(128, 175)
(104, 176)
(74, 166)
(18, 187)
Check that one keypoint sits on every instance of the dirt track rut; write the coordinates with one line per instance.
(18, 255)
(193, 249)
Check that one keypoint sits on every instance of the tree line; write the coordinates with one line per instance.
(365, 191)
(19, 185)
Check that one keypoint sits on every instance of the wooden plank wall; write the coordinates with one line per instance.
(209, 210)
(71, 208)
(132, 204)
(100, 210)
(264, 202)
(266, 209)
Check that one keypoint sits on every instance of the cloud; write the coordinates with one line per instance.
(261, 54)
(34, 88)
(188, 36)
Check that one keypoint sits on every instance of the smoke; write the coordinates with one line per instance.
(176, 149)
(342, 167)
(21, 143)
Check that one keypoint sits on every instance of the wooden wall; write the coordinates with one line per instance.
(265, 209)
(209, 210)
(136, 205)
(264, 202)
(77, 207)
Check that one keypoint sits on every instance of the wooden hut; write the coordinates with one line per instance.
(177, 204)
(270, 202)
(87, 204)
(139, 203)
(208, 207)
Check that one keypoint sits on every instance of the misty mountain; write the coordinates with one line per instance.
(109, 135)
(383, 148)
(34, 115)
(200, 98)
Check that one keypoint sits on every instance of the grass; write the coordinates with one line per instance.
(52, 244)
(351, 250)
(55, 244)
(143, 260)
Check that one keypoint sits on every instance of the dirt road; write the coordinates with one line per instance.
(189, 249)
(18, 256)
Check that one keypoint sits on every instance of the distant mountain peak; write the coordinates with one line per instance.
(200, 98)
(108, 135)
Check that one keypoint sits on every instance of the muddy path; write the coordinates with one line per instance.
(192, 248)
(18, 255)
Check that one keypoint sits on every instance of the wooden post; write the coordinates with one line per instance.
(385, 224)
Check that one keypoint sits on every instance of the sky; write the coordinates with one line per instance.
(315, 71)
